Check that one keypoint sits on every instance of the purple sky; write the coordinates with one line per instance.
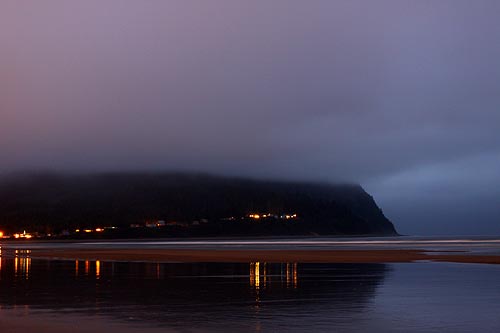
(400, 96)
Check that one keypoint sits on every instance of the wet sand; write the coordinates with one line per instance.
(277, 256)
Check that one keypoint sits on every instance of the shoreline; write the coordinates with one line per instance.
(200, 238)
(278, 256)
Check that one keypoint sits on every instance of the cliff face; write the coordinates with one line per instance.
(122, 199)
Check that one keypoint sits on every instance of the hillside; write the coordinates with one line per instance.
(192, 204)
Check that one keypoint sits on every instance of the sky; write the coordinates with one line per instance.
(400, 96)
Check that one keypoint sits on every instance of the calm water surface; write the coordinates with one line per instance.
(470, 244)
(257, 296)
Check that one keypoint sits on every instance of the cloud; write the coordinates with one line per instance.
(337, 91)
(454, 197)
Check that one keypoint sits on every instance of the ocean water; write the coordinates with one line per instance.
(250, 297)
(470, 244)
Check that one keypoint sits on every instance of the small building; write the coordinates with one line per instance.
(155, 224)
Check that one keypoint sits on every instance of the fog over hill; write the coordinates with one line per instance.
(202, 204)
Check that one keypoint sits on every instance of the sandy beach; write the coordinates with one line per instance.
(305, 256)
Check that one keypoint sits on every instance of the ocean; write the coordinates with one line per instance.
(126, 297)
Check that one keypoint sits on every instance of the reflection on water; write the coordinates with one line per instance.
(259, 274)
(22, 267)
(22, 263)
(257, 296)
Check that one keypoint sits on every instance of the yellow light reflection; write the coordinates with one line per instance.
(261, 276)
(291, 275)
(264, 270)
(76, 267)
(22, 267)
(257, 275)
(295, 277)
(252, 274)
(287, 274)
(97, 269)
(87, 264)
(26, 266)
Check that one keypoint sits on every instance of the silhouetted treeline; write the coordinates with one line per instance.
(50, 203)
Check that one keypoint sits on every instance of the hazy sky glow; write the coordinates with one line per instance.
(401, 96)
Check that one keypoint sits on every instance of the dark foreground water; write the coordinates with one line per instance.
(254, 297)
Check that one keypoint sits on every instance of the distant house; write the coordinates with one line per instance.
(155, 224)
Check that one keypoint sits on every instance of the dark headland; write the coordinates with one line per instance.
(116, 205)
